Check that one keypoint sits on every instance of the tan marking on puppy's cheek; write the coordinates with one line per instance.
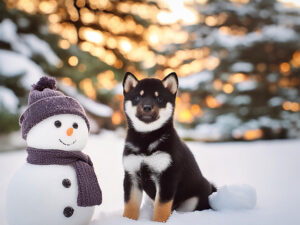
(142, 92)
(162, 211)
(156, 94)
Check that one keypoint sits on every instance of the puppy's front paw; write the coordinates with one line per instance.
(162, 211)
(131, 211)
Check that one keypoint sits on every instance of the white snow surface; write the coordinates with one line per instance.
(90, 105)
(242, 67)
(218, 131)
(246, 85)
(8, 100)
(94, 107)
(277, 33)
(271, 167)
(7, 30)
(26, 44)
(8, 33)
(41, 47)
(12, 64)
(241, 99)
(192, 82)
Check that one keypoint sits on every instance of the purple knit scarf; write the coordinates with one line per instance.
(89, 192)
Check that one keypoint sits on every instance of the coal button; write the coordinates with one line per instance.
(68, 211)
(66, 183)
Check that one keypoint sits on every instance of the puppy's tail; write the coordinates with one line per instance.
(233, 197)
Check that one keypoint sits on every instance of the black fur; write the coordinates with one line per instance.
(182, 179)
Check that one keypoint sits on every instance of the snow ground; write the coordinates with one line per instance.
(272, 167)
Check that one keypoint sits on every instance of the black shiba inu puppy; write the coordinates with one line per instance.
(155, 159)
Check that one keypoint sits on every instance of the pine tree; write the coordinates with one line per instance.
(95, 42)
(27, 51)
(253, 92)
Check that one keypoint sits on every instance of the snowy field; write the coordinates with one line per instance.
(272, 167)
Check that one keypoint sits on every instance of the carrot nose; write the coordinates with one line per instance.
(70, 131)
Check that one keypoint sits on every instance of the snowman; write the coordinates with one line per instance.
(57, 185)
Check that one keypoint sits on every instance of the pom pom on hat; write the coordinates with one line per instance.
(45, 82)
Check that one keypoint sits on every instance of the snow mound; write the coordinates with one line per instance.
(233, 197)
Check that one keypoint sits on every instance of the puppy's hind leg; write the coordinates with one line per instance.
(204, 197)
(132, 196)
(188, 205)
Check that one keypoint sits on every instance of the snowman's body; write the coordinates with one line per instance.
(47, 194)
(37, 195)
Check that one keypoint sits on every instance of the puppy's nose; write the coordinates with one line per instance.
(70, 131)
(147, 108)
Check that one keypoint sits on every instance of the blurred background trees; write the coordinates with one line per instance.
(238, 60)
(254, 90)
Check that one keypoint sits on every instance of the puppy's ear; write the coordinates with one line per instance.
(129, 82)
(171, 82)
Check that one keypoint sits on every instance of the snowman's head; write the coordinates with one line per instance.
(67, 132)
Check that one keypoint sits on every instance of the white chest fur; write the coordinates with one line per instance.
(36, 195)
(158, 162)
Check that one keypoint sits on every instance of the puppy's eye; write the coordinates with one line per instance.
(137, 98)
(57, 123)
(75, 125)
(159, 99)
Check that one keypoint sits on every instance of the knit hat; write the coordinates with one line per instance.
(45, 101)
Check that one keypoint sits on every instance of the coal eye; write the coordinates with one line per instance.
(159, 99)
(75, 125)
(57, 123)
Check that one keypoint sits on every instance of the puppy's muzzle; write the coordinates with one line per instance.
(147, 113)
(147, 108)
